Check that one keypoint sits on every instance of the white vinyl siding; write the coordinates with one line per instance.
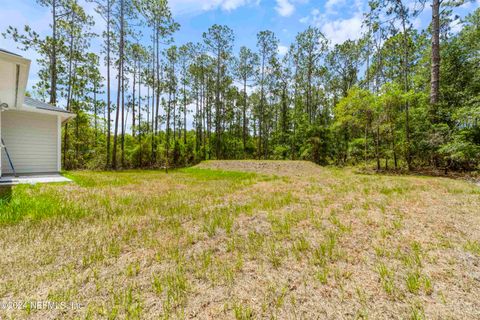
(31, 140)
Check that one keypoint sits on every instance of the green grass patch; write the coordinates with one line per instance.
(214, 243)
(35, 202)
(88, 179)
(473, 247)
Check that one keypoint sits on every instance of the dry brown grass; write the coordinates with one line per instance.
(291, 240)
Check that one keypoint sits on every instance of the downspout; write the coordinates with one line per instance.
(1, 147)
(3, 106)
(16, 85)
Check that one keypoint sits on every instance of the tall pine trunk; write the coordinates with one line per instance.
(123, 118)
(140, 114)
(244, 131)
(406, 88)
(435, 72)
(69, 99)
(119, 86)
(109, 107)
(95, 113)
(157, 106)
(184, 113)
(53, 66)
(133, 98)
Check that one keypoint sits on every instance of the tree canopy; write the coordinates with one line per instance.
(397, 97)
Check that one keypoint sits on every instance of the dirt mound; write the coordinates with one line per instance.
(280, 167)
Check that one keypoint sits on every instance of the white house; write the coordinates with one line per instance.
(30, 130)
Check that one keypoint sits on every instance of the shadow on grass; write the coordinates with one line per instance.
(5, 194)
(471, 176)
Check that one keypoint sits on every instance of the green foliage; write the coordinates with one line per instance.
(459, 152)
(312, 103)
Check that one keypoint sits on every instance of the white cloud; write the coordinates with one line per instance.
(314, 15)
(282, 50)
(338, 31)
(284, 8)
(339, 21)
(229, 5)
(304, 20)
(332, 5)
(456, 27)
(180, 7)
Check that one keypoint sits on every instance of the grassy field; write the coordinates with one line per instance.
(241, 240)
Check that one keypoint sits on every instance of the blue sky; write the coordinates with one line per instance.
(338, 19)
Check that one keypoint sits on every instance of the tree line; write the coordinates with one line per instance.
(397, 97)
